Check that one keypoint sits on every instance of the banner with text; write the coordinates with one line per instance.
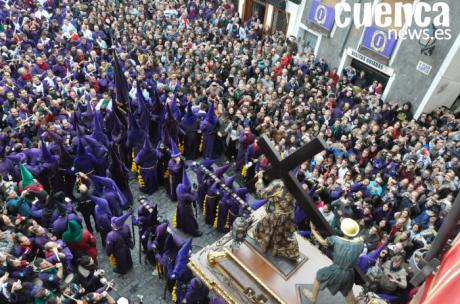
(378, 40)
(322, 15)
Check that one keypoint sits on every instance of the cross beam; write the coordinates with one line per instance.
(282, 169)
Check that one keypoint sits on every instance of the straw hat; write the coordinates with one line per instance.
(349, 227)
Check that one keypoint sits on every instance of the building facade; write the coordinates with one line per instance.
(427, 80)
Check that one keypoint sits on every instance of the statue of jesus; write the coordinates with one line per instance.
(276, 229)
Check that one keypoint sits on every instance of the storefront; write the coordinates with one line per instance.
(276, 15)
(374, 69)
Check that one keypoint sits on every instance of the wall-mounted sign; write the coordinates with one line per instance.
(371, 62)
(322, 15)
(379, 41)
(424, 67)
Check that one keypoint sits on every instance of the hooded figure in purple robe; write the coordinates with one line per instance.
(147, 160)
(210, 204)
(103, 216)
(157, 117)
(190, 124)
(167, 260)
(181, 273)
(98, 130)
(141, 111)
(108, 188)
(63, 214)
(197, 292)
(33, 155)
(100, 153)
(209, 129)
(223, 216)
(119, 243)
(84, 161)
(203, 181)
(147, 221)
(136, 134)
(156, 246)
(67, 178)
(49, 170)
(171, 129)
(6, 168)
(175, 166)
(120, 174)
(185, 217)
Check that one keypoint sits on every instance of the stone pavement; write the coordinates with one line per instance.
(142, 280)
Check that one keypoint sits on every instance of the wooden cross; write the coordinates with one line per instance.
(282, 169)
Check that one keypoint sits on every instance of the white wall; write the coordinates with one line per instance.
(295, 13)
(446, 85)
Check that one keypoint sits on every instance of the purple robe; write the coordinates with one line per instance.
(114, 202)
(191, 140)
(175, 178)
(227, 213)
(211, 201)
(119, 244)
(102, 222)
(197, 292)
(60, 224)
(185, 217)
(209, 139)
(147, 161)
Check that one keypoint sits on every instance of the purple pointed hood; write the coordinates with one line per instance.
(105, 184)
(211, 117)
(219, 171)
(161, 230)
(174, 150)
(259, 203)
(136, 135)
(185, 186)
(214, 188)
(101, 204)
(98, 130)
(243, 193)
(46, 155)
(207, 163)
(228, 181)
(118, 222)
(182, 259)
(189, 118)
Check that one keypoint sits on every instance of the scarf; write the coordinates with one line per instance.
(43, 66)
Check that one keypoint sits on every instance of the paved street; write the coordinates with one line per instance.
(141, 280)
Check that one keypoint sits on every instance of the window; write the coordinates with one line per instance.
(308, 41)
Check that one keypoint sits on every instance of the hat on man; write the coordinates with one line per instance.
(349, 227)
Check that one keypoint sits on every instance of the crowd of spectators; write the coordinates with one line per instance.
(394, 174)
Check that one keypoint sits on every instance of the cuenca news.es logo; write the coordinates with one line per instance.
(413, 21)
